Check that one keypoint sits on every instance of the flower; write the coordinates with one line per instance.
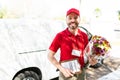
(100, 46)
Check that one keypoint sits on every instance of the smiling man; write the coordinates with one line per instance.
(71, 42)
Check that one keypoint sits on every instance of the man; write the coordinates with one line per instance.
(71, 42)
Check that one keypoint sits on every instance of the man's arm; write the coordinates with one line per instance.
(53, 60)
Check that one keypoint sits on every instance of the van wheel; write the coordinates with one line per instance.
(28, 75)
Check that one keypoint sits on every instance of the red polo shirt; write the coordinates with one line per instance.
(66, 41)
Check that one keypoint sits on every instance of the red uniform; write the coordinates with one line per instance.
(66, 41)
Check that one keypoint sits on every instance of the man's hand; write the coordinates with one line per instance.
(92, 60)
(67, 72)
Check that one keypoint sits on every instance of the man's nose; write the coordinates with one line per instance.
(72, 20)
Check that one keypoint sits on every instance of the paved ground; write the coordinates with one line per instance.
(111, 64)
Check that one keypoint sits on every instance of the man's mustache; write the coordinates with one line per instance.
(73, 23)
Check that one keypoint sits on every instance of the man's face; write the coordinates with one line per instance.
(73, 21)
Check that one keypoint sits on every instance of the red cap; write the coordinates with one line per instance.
(73, 10)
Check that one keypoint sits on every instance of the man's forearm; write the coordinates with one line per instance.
(54, 61)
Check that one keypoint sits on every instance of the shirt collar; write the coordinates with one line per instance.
(70, 34)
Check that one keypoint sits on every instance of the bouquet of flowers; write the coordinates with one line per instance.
(100, 46)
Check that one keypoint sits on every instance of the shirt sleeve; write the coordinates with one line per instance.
(55, 45)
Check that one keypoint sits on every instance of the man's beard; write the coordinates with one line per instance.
(73, 25)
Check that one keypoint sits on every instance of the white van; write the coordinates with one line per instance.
(24, 47)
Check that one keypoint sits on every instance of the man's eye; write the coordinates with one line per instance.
(70, 18)
(75, 17)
